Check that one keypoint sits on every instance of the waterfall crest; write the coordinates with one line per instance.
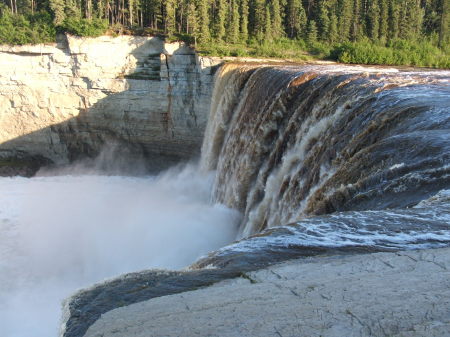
(290, 142)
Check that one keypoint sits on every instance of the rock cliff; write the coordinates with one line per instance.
(65, 101)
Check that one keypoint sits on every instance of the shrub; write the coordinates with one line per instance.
(84, 27)
(398, 52)
(23, 29)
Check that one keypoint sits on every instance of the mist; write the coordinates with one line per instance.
(62, 232)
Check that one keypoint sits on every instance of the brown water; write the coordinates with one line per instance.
(289, 142)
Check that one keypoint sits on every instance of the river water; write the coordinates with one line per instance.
(295, 161)
(60, 233)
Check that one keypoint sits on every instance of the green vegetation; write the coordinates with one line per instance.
(281, 48)
(26, 28)
(84, 27)
(399, 52)
(409, 32)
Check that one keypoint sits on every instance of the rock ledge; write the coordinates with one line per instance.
(382, 294)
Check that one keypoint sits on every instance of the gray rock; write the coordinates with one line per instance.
(381, 294)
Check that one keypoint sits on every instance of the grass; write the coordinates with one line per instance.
(281, 48)
(423, 53)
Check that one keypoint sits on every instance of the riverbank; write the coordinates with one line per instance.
(383, 294)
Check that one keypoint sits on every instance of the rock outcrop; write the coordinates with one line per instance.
(381, 294)
(65, 101)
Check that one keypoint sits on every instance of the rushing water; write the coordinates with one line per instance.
(290, 142)
(312, 159)
(60, 233)
(324, 159)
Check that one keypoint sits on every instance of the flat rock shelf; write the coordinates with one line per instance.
(382, 294)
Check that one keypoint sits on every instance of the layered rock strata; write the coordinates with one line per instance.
(65, 101)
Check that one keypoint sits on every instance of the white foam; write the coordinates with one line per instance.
(396, 166)
(61, 233)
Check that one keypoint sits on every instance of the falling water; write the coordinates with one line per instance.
(309, 158)
(314, 140)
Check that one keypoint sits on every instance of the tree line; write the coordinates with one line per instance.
(240, 20)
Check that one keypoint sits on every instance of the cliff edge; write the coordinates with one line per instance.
(65, 101)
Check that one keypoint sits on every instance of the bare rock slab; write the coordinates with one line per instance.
(380, 294)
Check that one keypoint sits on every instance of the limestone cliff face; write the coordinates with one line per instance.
(65, 101)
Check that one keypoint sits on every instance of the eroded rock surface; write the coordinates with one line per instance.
(65, 101)
(381, 294)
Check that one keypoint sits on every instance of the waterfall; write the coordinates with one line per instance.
(289, 142)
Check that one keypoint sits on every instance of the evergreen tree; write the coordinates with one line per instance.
(296, 18)
(312, 32)
(373, 20)
(323, 21)
(444, 23)
(192, 26)
(415, 15)
(204, 34)
(268, 24)
(71, 10)
(411, 19)
(333, 34)
(277, 21)
(170, 18)
(345, 18)
(244, 20)
(233, 26)
(332, 21)
(259, 16)
(393, 21)
(355, 27)
(384, 15)
(221, 19)
(58, 7)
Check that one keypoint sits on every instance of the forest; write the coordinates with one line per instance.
(410, 32)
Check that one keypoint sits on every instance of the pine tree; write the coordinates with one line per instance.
(204, 34)
(244, 20)
(277, 21)
(192, 26)
(323, 20)
(259, 17)
(384, 15)
(444, 23)
(233, 27)
(312, 32)
(333, 35)
(296, 18)
(373, 20)
(220, 20)
(416, 16)
(170, 18)
(71, 10)
(268, 24)
(355, 26)
(57, 7)
(411, 19)
(345, 18)
(393, 22)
